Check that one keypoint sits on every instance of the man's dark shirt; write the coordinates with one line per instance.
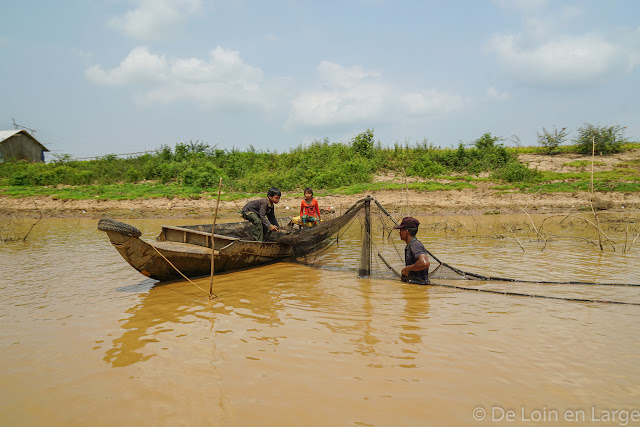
(411, 253)
(264, 210)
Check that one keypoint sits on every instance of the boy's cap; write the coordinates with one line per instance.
(407, 222)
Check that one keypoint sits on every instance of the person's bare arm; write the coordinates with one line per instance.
(421, 263)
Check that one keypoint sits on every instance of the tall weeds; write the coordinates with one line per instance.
(320, 165)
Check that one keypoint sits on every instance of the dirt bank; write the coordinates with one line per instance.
(482, 200)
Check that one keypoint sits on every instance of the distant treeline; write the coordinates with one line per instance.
(320, 165)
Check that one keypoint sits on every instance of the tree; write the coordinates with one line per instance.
(363, 143)
(486, 142)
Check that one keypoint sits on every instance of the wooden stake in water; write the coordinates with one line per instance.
(365, 256)
(213, 228)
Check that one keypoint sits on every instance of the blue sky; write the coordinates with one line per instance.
(119, 76)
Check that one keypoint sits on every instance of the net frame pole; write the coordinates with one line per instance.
(365, 257)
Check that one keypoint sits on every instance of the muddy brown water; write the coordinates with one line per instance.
(86, 340)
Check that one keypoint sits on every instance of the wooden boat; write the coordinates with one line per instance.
(187, 249)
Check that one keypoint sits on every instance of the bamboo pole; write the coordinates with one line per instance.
(213, 228)
(593, 209)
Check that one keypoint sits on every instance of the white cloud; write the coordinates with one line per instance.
(350, 96)
(138, 67)
(497, 95)
(156, 19)
(339, 77)
(431, 102)
(541, 53)
(222, 79)
(562, 60)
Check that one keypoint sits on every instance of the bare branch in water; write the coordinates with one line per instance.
(24, 239)
(627, 249)
(9, 227)
(514, 236)
(534, 225)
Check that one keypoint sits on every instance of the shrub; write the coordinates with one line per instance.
(607, 139)
(486, 155)
(209, 176)
(203, 175)
(165, 172)
(425, 167)
(61, 158)
(133, 175)
(516, 172)
(354, 171)
(551, 140)
(81, 178)
(19, 178)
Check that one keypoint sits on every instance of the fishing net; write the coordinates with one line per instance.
(382, 255)
(356, 227)
(305, 241)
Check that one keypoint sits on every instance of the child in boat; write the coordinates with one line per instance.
(309, 209)
(261, 213)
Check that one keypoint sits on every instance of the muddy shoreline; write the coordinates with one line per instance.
(481, 200)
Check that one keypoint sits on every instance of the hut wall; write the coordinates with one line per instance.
(21, 147)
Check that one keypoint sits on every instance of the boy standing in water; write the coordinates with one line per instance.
(261, 213)
(309, 209)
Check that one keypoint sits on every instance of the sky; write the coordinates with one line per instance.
(124, 76)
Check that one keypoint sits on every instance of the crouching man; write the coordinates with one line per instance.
(261, 213)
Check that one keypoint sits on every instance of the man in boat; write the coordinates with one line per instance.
(416, 261)
(261, 214)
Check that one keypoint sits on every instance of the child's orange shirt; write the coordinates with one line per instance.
(311, 209)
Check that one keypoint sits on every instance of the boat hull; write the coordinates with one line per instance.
(166, 260)
(185, 251)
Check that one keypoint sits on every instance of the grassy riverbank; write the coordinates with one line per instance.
(194, 168)
(482, 176)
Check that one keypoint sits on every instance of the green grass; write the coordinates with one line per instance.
(635, 164)
(616, 174)
(108, 192)
(467, 178)
(418, 186)
(604, 186)
(583, 163)
(564, 149)
(152, 191)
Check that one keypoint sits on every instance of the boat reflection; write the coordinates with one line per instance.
(253, 300)
(271, 304)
